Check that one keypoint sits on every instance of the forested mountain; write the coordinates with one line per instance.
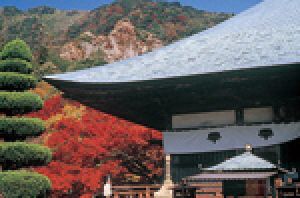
(68, 40)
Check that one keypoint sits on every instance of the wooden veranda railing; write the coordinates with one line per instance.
(141, 191)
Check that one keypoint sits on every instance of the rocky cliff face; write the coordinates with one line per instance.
(122, 42)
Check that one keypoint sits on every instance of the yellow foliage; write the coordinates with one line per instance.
(45, 90)
(69, 111)
(133, 177)
(52, 120)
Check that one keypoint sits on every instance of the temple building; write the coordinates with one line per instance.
(242, 175)
(211, 94)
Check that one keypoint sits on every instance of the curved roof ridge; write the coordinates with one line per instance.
(265, 35)
(245, 161)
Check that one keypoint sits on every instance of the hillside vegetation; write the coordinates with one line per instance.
(48, 30)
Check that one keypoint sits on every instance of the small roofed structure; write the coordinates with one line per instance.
(242, 175)
(246, 161)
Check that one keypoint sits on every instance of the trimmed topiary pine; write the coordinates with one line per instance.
(15, 155)
(16, 49)
(16, 65)
(15, 79)
(16, 184)
(14, 103)
(15, 128)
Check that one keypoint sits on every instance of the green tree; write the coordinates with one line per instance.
(15, 79)
(42, 10)
(42, 55)
(11, 11)
(16, 49)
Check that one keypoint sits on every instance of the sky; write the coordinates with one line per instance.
(233, 6)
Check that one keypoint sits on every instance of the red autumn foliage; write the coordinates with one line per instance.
(182, 18)
(115, 9)
(51, 107)
(98, 144)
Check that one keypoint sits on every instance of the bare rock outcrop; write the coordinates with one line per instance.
(122, 42)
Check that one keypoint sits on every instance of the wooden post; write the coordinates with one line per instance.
(140, 195)
(116, 195)
(268, 186)
(148, 192)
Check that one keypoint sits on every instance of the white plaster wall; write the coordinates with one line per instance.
(203, 119)
(264, 114)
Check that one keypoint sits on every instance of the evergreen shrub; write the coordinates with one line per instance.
(13, 103)
(14, 155)
(15, 128)
(16, 81)
(16, 49)
(15, 65)
(29, 185)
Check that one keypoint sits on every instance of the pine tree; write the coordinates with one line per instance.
(15, 100)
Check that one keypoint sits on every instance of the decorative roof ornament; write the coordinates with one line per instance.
(248, 148)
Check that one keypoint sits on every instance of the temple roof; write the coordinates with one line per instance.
(245, 161)
(266, 35)
(230, 138)
(230, 176)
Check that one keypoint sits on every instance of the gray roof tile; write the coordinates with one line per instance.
(265, 35)
(245, 161)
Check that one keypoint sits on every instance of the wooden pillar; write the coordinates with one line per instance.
(148, 192)
(268, 186)
(116, 195)
(278, 151)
